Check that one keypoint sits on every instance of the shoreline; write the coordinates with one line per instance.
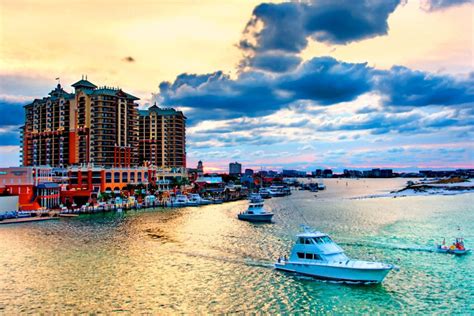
(436, 188)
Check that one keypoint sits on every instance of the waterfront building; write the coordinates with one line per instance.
(34, 186)
(162, 137)
(86, 182)
(235, 168)
(96, 125)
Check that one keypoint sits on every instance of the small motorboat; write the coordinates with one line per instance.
(217, 201)
(256, 212)
(316, 254)
(457, 248)
(23, 214)
(177, 201)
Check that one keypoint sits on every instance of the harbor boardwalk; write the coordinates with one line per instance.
(26, 220)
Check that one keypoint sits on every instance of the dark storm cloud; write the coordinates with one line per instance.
(10, 136)
(12, 113)
(286, 27)
(405, 87)
(323, 80)
(218, 95)
(435, 5)
(275, 62)
(327, 81)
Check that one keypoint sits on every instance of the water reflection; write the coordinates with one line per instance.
(204, 260)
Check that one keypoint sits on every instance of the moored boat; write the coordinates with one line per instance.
(177, 201)
(264, 193)
(316, 254)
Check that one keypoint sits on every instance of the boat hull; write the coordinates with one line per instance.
(335, 273)
(262, 218)
(454, 252)
(176, 204)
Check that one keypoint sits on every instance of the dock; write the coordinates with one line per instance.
(26, 220)
(67, 215)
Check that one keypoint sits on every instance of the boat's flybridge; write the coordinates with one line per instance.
(317, 246)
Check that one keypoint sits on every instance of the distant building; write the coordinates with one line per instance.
(235, 168)
(327, 173)
(162, 137)
(248, 172)
(293, 173)
(377, 173)
(197, 172)
(386, 173)
(317, 173)
(200, 168)
(352, 173)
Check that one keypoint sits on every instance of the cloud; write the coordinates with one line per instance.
(275, 62)
(216, 95)
(286, 27)
(322, 80)
(405, 87)
(12, 113)
(10, 135)
(436, 5)
(327, 81)
(129, 59)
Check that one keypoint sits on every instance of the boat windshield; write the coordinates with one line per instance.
(322, 240)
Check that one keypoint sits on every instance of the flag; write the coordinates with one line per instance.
(57, 78)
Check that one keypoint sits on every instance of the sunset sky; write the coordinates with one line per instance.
(295, 85)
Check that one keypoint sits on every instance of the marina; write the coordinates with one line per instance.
(171, 260)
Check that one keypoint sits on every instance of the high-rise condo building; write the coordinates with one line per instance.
(92, 125)
(162, 137)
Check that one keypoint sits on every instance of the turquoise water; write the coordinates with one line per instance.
(201, 260)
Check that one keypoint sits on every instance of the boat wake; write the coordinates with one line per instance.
(389, 246)
(246, 261)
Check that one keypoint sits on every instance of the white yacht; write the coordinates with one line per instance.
(256, 212)
(263, 192)
(178, 201)
(196, 199)
(276, 191)
(255, 197)
(315, 254)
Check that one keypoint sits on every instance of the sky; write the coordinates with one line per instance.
(273, 85)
